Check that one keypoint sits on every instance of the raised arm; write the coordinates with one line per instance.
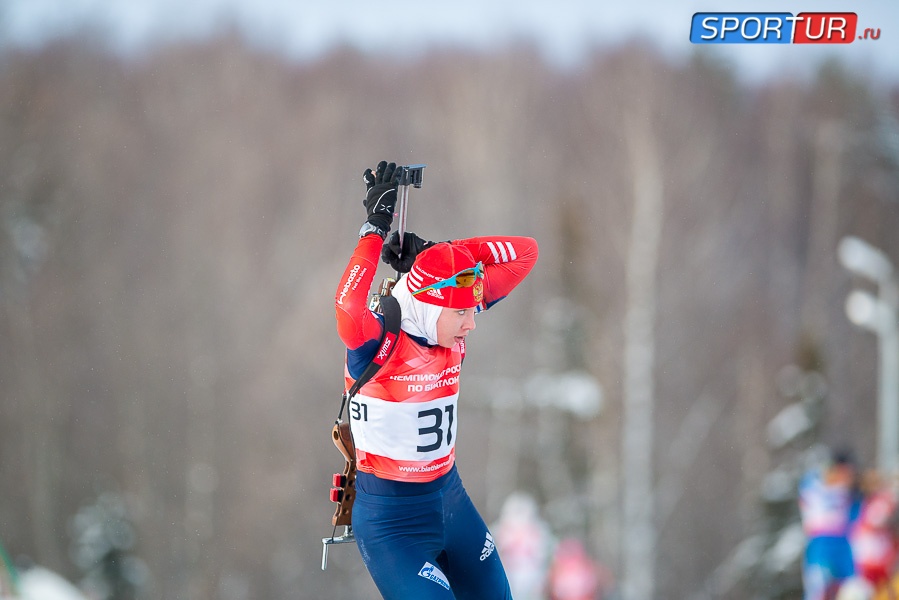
(357, 326)
(507, 261)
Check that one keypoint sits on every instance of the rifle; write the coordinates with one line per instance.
(343, 485)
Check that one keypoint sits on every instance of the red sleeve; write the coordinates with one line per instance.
(355, 323)
(507, 261)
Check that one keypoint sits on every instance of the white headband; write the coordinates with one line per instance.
(419, 318)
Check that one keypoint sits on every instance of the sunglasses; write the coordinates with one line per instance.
(462, 279)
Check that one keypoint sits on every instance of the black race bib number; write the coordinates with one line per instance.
(359, 411)
(435, 416)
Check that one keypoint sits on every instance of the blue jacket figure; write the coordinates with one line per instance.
(829, 502)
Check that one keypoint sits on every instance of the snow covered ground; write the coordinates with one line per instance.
(42, 584)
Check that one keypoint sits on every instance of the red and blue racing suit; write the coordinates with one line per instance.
(418, 532)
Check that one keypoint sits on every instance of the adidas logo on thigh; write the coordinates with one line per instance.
(489, 547)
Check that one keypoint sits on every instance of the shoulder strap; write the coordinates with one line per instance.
(390, 308)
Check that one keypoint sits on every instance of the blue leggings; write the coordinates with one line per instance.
(828, 562)
(429, 547)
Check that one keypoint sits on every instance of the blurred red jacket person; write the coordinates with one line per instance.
(872, 537)
(573, 575)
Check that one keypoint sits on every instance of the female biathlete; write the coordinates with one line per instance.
(419, 533)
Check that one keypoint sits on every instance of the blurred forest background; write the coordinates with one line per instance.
(172, 231)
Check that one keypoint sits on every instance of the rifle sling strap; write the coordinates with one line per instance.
(390, 308)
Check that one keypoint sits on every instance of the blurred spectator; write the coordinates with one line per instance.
(855, 588)
(829, 501)
(523, 540)
(574, 575)
(889, 592)
(873, 535)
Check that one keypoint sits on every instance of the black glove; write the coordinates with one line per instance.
(380, 201)
(412, 246)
